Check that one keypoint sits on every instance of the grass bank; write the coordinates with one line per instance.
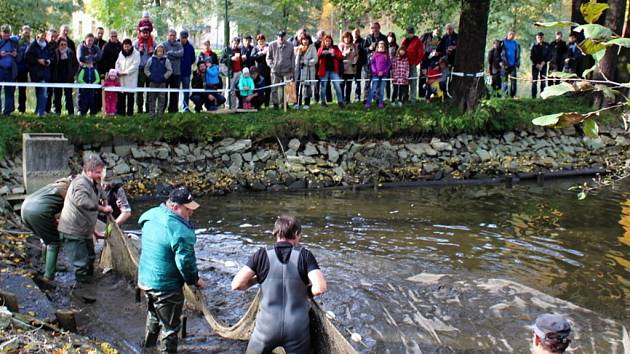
(494, 115)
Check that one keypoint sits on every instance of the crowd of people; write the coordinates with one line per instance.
(251, 73)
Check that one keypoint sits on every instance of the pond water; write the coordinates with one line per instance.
(379, 249)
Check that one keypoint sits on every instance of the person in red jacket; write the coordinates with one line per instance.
(329, 59)
(415, 53)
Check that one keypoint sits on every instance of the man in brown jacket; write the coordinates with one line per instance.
(78, 217)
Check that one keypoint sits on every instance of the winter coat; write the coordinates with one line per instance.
(80, 208)
(380, 63)
(88, 76)
(130, 66)
(174, 53)
(305, 65)
(281, 58)
(109, 56)
(213, 78)
(158, 69)
(400, 70)
(37, 71)
(244, 82)
(167, 260)
(64, 71)
(92, 54)
(350, 59)
(415, 50)
(188, 59)
(504, 53)
(336, 55)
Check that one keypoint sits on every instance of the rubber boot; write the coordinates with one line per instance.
(52, 251)
(150, 339)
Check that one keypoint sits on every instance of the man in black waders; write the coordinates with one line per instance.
(288, 275)
(40, 211)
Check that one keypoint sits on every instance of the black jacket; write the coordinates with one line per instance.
(250, 61)
(363, 55)
(372, 39)
(64, 71)
(558, 52)
(198, 80)
(109, 57)
(494, 61)
(37, 71)
(540, 53)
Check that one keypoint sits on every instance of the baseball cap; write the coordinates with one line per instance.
(551, 325)
(5, 29)
(183, 197)
(281, 34)
(183, 34)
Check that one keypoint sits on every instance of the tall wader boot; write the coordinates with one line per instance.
(52, 251)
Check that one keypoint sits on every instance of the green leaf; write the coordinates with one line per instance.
(590, 128)
(563, 75)
(622, 42)
(590, 47)
(608, 92)
(548, 120)
(557, 90)
(595, 32)
(589, 71)
(581, 196)
(592, 10)
(555, 24)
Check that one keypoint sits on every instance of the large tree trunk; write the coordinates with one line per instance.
(469, 58)
(614, 21)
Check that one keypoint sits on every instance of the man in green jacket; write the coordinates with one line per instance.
(78, 217)
(167, 262)
(39, 213)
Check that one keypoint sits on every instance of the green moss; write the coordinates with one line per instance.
(494, 115)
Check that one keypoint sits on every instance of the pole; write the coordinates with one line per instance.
(226, 43)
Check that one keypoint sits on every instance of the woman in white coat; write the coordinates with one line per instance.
(127, 66)
(305, 60)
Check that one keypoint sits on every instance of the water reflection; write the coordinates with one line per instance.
(369, 243)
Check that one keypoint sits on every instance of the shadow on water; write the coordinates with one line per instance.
(557, 254)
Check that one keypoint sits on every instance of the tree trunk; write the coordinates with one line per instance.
(614, 21)
(576, 15)
(469, 58)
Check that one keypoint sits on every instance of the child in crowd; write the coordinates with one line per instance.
(145, 24)
(214, 82)
(400, 77)
(110, 98)
(158, 69)
(246, 89)
(380, 65)
(437, 79)
(87, 96)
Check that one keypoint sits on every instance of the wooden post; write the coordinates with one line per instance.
(67, 320)
(10, 301)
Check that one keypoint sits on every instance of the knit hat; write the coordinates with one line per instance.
(112, 72)
(245, 72)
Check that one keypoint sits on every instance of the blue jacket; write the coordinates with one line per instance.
(188, 59)
(8, 62)
(212, 76)
(167, 260)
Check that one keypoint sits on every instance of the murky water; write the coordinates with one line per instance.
(370, 245)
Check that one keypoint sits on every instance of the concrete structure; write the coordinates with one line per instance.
(44, 159)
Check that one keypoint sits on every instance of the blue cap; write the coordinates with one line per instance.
(552, 325)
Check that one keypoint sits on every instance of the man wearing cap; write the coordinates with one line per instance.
(540, 55)
(188, 59)
(167, 262)
(174, 53)
(415, 54)
(551, 334)
(280, 59)
(8, 66)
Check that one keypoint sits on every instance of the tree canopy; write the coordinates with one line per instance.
(39, 14)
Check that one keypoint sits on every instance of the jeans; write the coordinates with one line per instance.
(201, 100)
(88, 101)
(173, 101)
(234, 89)
(81, 252)
(346, 86)
(538, 75)
(5, 76)
(334, 77)
(377, 91)
(185, 85)
(509, 82)
(42, 96)
(164, 311)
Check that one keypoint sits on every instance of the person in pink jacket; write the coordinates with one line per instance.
(380, 65)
